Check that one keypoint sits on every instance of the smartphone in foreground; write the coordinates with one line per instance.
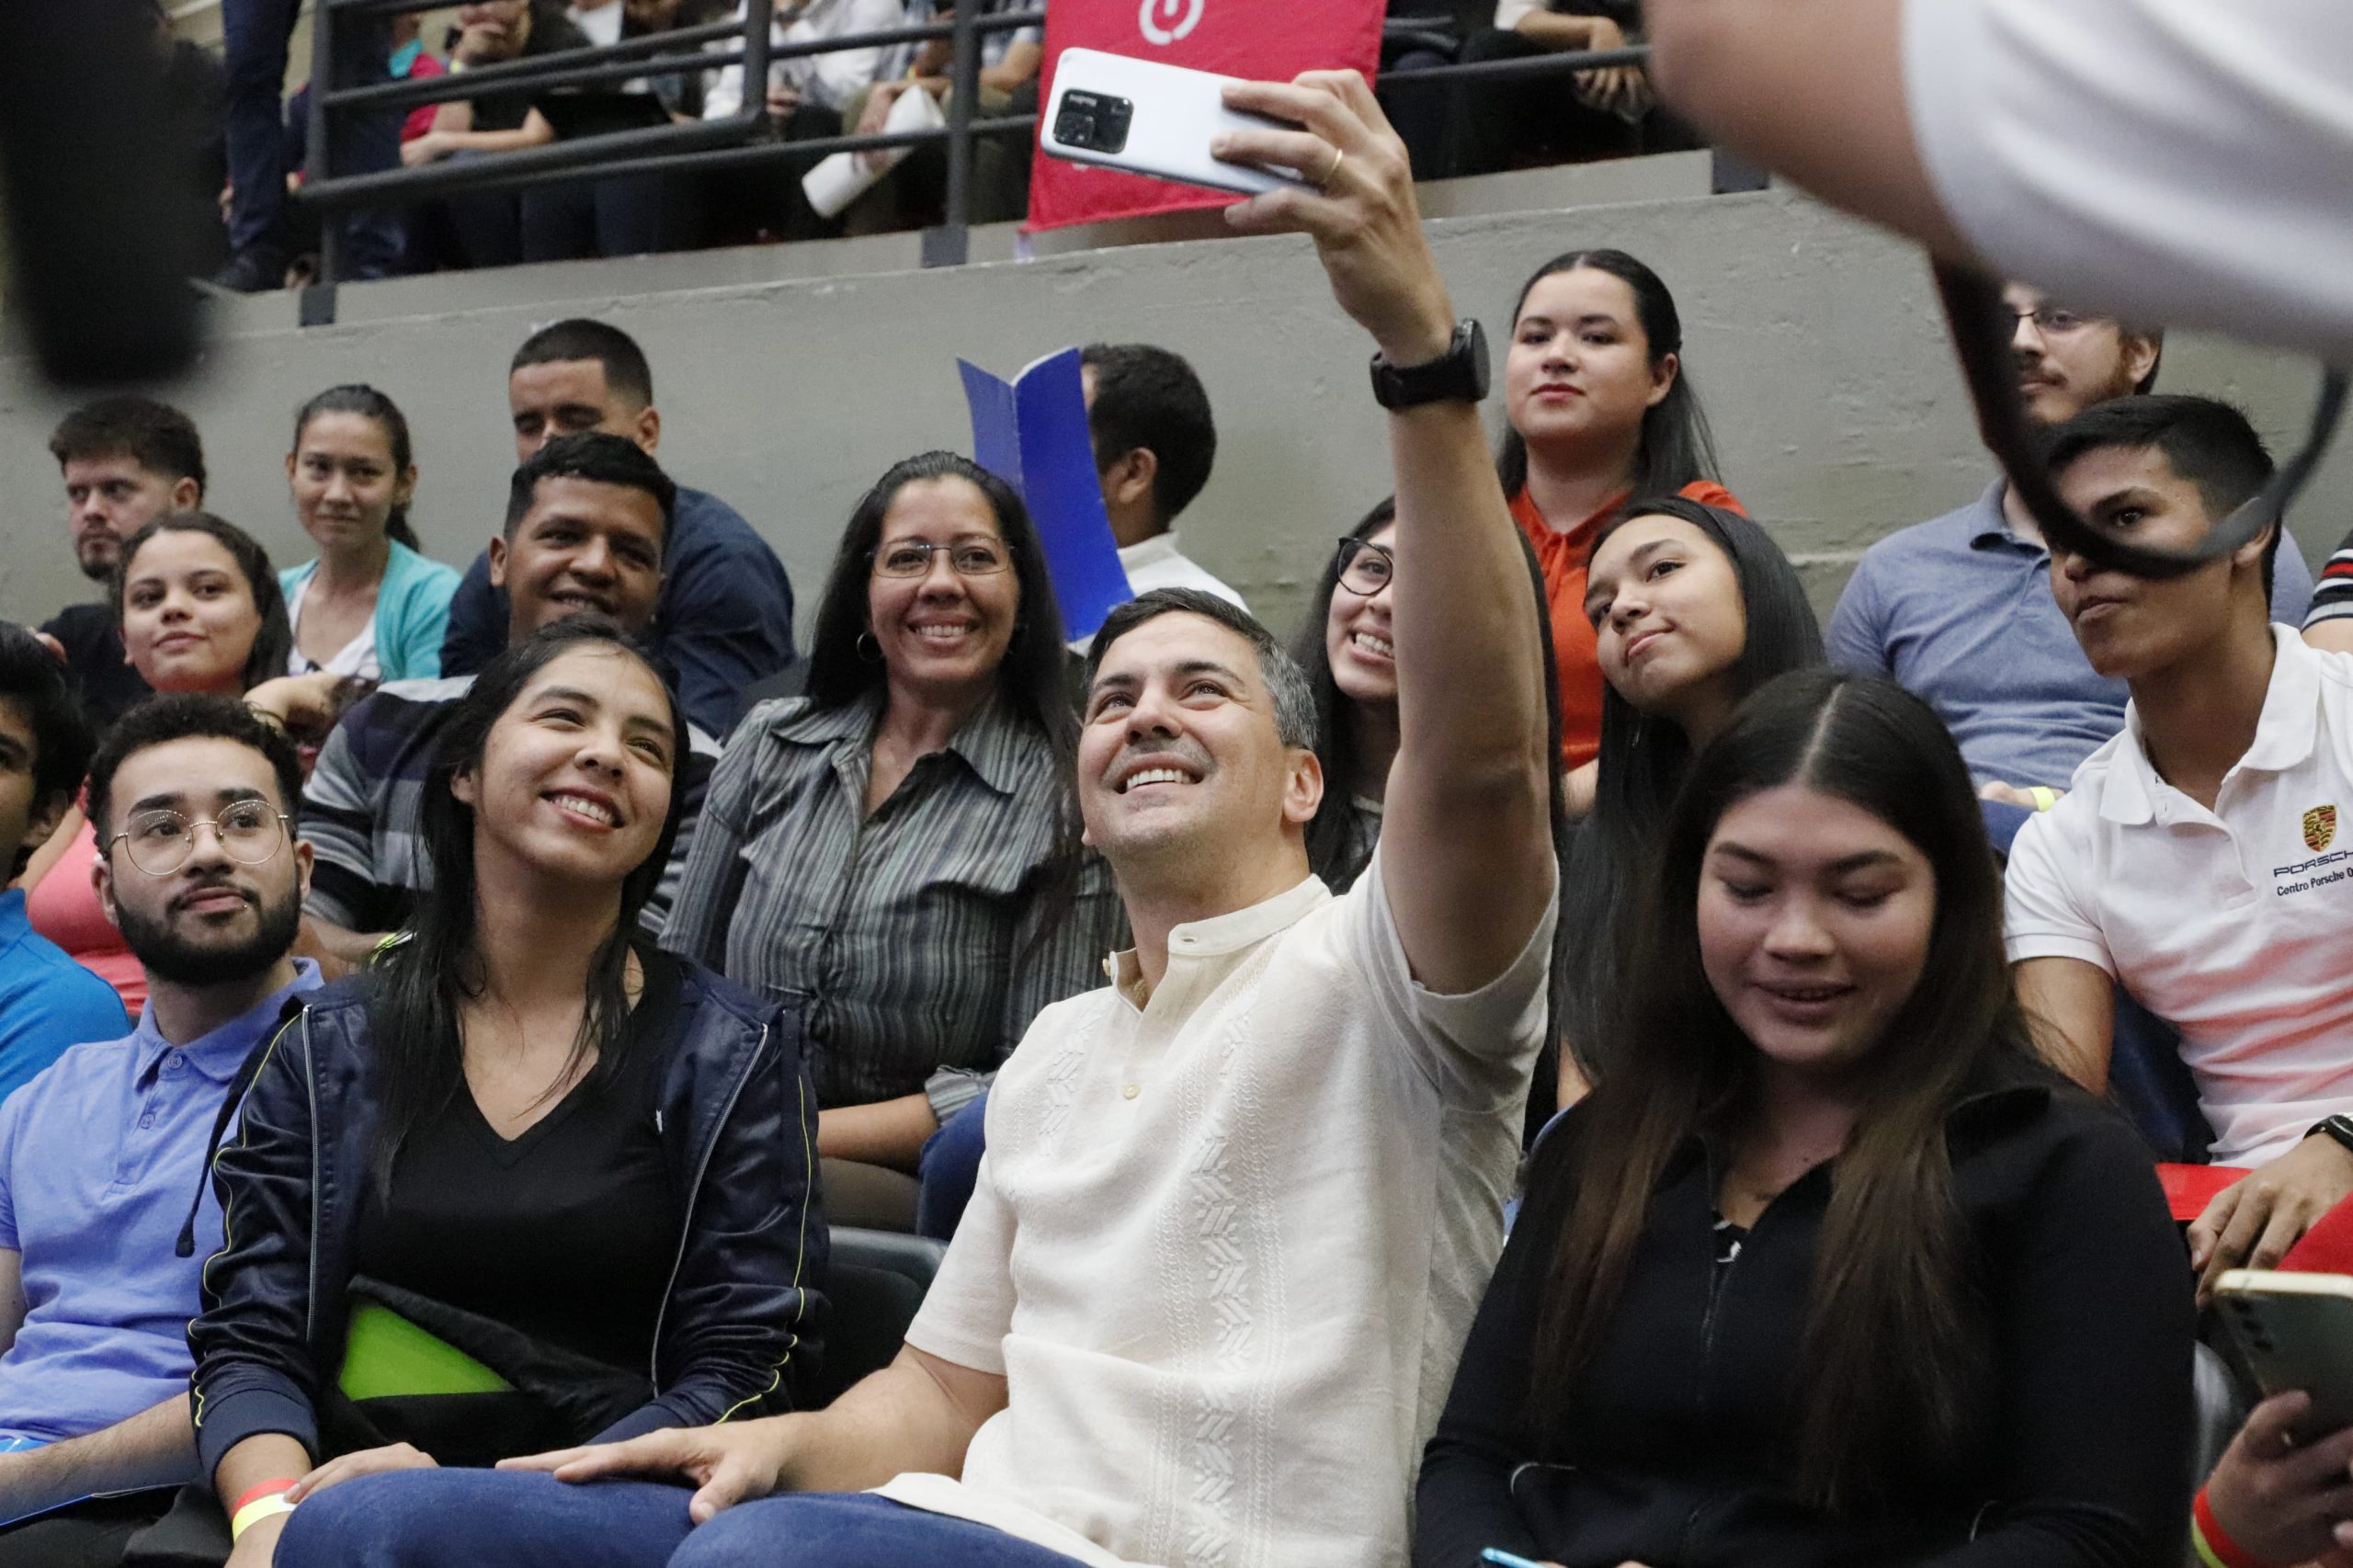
(1150, 119)
(2295, 1331)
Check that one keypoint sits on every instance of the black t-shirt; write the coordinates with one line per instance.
(552, 33)
(94, 657)
(568, 1232)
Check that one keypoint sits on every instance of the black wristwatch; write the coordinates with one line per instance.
(1460, 375)
(2337, 1127)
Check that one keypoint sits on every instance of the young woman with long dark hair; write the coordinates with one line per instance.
(370, 604)
(525, 1178)
(1829, 1269)
(1691, 608)
(1599, 407)
(890, 849)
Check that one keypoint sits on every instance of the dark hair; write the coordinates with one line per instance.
(1333, 852)
(417, 988)
(1897, 1351)
(274, 642)
(356, 397)
(155, 436)
(627, 374)
(1034, 676)
(1614, 853)
(600, 458)
(187, 715)
(32, 678)
(1146, 396)
(2203, 441)
(1286, 682)
(1677, 447)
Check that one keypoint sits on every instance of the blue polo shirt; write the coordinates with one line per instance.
(1958, 611)
(99, 1159)
(47, 1001)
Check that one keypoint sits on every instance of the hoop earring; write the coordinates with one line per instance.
(867, 640)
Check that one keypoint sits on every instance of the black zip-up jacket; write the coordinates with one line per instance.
(737, 1330)
(1678, 1449)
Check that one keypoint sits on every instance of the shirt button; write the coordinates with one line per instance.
(147, 1119)
(174, 1063)
(1131, 1091)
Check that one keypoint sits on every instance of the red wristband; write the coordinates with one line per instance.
(266, 1489)
(2217, 1540)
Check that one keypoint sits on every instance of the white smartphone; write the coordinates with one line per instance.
(1150, 119)
(2296, 1332)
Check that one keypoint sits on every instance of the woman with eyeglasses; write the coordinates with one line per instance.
(199, 611)
(893, 850)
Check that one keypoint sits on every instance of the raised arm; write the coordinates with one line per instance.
(1465, 836)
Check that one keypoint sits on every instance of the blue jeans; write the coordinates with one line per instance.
(254, 37)
(949, 1165)
(447, 1518)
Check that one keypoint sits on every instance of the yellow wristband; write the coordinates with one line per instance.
(2044, 795)
(253, 1513)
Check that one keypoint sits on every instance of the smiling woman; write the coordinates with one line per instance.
(890, 849)
(1829, 1267)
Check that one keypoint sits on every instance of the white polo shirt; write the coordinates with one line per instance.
(2236, 926)
(1226, 1245)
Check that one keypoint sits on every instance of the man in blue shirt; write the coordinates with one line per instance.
(102, 1158)
(726, 617)
(47, 1001)
(1958, 609)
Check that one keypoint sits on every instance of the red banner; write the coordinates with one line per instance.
(1267, 39)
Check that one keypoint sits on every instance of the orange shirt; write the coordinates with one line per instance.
(1563, 555)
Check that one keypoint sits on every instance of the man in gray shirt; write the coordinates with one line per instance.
(1959, 608)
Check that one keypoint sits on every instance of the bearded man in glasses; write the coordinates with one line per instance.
(106, 1216)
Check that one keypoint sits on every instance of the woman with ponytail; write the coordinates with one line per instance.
(1828, 1268)
(370, 605)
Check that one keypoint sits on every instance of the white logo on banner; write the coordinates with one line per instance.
(1169, 21)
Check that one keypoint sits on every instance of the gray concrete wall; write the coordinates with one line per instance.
(1814, 342)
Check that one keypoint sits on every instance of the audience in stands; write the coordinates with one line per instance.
(410, 60)
(806, 96)
(1348, 647)
(588, 518)
(255, 34)
(199, 609)
(370, 607)
(47, 1001)
(1599, 408)
(1959, 608)
(1606, 111)
(1828, 1267)
(1305, 1105)
(2190, 863)
(890, 850)
(126, 461)
(724, 617)
(914, 192)
(1154, 441)
(1692, 608)
(527, 1179)
(106, 1216)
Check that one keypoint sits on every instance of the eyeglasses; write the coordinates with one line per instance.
(1365, 568)
(160, 843)
(2050, 318)
(969, 558)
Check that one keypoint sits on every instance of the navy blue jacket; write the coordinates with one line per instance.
(738, 1124)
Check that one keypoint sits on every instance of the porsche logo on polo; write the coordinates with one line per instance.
(2320, 828)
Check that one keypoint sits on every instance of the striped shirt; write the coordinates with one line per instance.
(917, 939)
(362, 809)
(2332, 591)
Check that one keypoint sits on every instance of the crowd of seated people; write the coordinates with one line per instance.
(478, 1002)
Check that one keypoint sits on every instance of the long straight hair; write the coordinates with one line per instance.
(1892, 1267)
(1677, 447)
(417, 989)
(1643, 760)
(365, 400)
(273, 640)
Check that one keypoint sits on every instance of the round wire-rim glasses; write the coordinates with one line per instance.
(160, 842)
(967, 557)
(1366, 568)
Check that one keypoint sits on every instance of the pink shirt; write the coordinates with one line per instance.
(63, 907)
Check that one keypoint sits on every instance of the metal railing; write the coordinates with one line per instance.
(734, 141)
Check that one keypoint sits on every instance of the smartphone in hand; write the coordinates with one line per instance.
(2295, 1331)
(1119, 112)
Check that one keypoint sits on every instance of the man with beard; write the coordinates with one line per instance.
(125, 460)
(1959, 608)
(105, 1215)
